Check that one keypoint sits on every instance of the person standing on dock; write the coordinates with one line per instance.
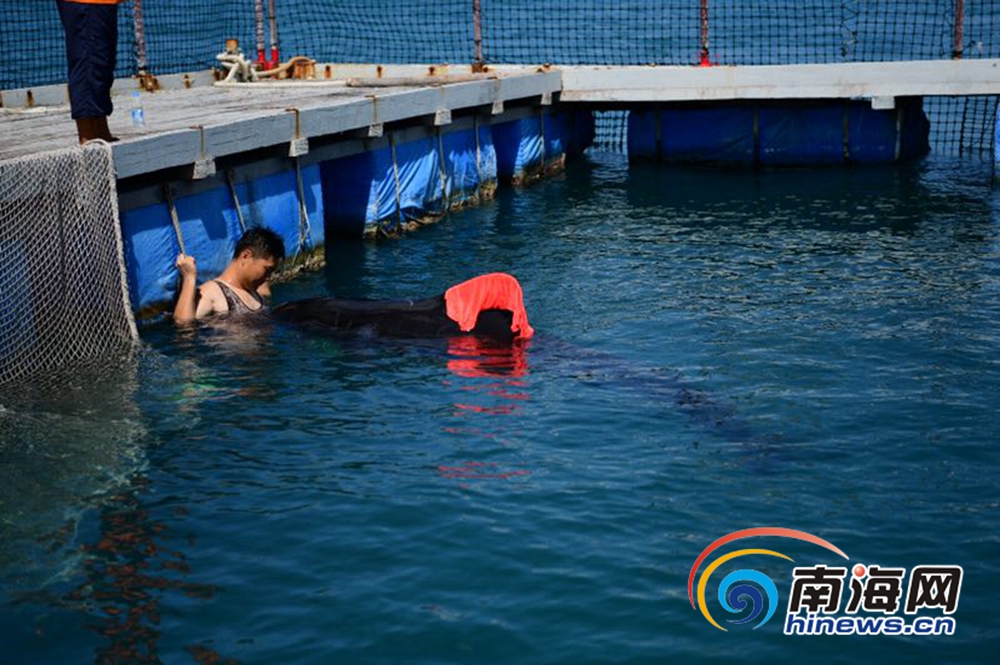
(91, 47)
(242, 286)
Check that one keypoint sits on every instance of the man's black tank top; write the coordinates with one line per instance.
(235, 303)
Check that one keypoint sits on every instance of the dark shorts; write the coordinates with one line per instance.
(91, 46)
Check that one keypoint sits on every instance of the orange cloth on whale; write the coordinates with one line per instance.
(497, 290)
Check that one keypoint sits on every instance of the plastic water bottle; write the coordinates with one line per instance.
(137, 112)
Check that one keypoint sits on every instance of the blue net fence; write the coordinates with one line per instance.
(185, 35)
(961, 126)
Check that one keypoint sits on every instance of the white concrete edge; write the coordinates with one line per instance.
(326, 73)
(821, 81)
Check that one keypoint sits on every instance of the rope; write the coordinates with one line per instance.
(305, 229)
(285, 66)
(445, 199)
(395, 176)
(236, 201)
(479, 153)
(239, 68)
(541, 130)
(169, 197)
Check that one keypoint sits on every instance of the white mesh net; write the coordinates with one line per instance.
(63, 291)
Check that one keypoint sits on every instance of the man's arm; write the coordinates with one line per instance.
(187, 302)
(210, 301)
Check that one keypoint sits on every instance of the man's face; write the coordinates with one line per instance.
(257, 270)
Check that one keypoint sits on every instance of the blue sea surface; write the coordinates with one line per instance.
(717, 350)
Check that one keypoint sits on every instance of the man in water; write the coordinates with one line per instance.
(242, 286)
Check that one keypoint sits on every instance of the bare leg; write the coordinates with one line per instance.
(89, 129)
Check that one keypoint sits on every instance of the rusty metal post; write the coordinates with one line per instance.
(704, 60)
(273, 19)
(140, 38)
(959, 45)
(258, 16)
(478, 64)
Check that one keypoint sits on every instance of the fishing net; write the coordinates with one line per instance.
(963, 125)
(63, 292)
(185, 35)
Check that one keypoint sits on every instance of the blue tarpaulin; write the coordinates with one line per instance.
(801, 134)
(693, 134)
(421, 187)
(465, 170)
(644, 134)
(360, 190)
(518, 146)
(708, 135)
(785, 133)
(556, 133)
(487, 155)
(347, 196)
(150, 251)
(523, 145)
(273, 201)
(210, 228)
(872, 134)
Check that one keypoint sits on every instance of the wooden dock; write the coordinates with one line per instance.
(189, 125)
(191, 121)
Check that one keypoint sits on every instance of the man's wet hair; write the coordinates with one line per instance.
(262, 243)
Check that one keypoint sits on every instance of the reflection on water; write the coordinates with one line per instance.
(75, 534)
(67, 444)
(125, 576)
(492, 378)
(473, 357)
(480, 471)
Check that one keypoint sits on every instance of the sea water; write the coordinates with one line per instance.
(717, 350)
